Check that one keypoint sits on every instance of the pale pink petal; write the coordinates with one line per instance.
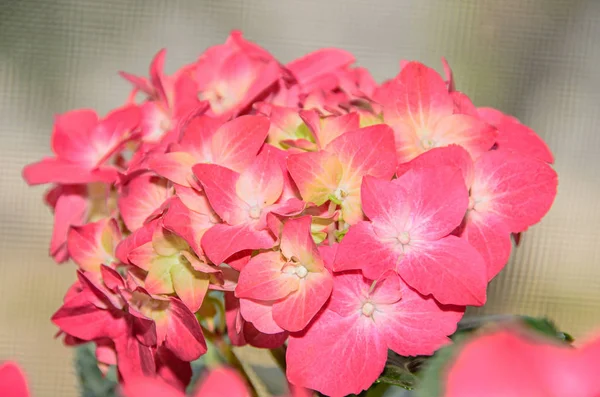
(451, 155)
(294, 312)
(70, 209)
(190, 225)
(140, 197)
(261, 184)
(490, 236)
(71, 135)
(361, 249)
(475, 135)
(296, 241)
(263, 278)
(438, 201)
(93, 244)
(175, 166)
(219, 184)
(316, 174)
(517, 188)
(53, 170)
(222, 241)
(450, 269)
(415, 325)
(355, 355)
(386, 203)
(317, 63)
(260, 314)
(236, 143)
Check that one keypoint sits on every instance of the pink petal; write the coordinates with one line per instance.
(316, 174)
(146, 386)
(71, 135)
(175, 166)
(449, 77)
(317, 63)
(475, 135)
(424, 96)
(367, 151)
(385, 202)
(261, 184)
(490, 236)
(85, 321)
(355, 353)
(134, 359)
(260, 314)
(93, 244)
(222, 241)
(438, 201)
(197, 137)
(463, 105)
(517, 188)
(222, 382)
(297, 241)
(136, 239)
(53, 170)
(138, 82)
(294, 312)
(236, 143)
(263, 278)
(12, 380)
(190, 225)
(70, 208)
(219, 184)
(514, 136)
(415, 325)
(112, 279)
(184, 335)
(362, 249)
(157, 75)
(495, 365)
(451, 155)
(449, 269)
(140, 198)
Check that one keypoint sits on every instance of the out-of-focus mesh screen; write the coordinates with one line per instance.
(536, 59)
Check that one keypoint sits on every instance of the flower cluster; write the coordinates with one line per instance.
(302, 205)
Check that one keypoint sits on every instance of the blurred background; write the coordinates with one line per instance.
(535, 59)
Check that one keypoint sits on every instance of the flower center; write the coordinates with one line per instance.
(403, 238)
(427, 144)
(368, 309)
(340, 193)
(471, 203)
(254, 212)
(301, 271)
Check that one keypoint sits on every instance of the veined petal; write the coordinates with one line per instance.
(296, 241)
(261, 184)
(219, 184)
(295, 311)
(174, 166)
(260, 314)
(222, 241)
(190, 285)
(316, 174)
(236, 143)
(263, 278)
(449, 269)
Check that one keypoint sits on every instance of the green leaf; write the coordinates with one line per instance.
(401, 371)
(91, 381)
(546, 327)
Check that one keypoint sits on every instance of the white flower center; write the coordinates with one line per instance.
(301, 271)
(403, 238)
(254, 212)
(368, 309)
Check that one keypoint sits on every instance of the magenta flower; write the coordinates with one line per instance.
(12, 380)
